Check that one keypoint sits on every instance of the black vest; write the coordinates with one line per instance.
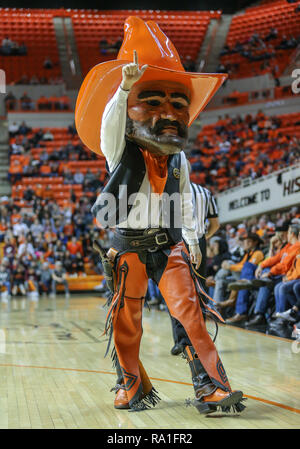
(130, 172)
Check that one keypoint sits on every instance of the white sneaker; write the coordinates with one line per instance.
(289, 315)
(34, 296)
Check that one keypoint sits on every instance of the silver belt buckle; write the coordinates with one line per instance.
(161, 242)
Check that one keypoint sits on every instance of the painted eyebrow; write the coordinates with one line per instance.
(151, 93)
(180, 95)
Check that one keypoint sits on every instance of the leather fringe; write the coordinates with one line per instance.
(150, 400)
(236, 408)
(109, 300)
(115, 306)
(201, 295)
(114, 357)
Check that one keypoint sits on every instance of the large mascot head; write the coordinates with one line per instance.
(161, 105)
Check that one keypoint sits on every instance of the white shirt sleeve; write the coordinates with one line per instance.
(113, 128)
(188, 220)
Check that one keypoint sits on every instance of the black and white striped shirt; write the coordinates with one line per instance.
(204, 207)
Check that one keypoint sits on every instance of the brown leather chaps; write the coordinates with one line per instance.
(170, 269)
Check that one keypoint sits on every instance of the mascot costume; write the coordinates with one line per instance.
(137, 116)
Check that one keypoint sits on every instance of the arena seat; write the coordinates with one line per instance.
(82, 283)
(186, 29)
(261, 19)
(36, 31)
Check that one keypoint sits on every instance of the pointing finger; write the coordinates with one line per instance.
(135, 57)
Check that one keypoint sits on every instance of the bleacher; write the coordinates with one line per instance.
(35, 29)
(186, 29)
(60, 191)
(290, 126)
(261, 19)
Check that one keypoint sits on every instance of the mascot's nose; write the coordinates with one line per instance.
(167, 112)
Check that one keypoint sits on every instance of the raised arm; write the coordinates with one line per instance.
(115, 114)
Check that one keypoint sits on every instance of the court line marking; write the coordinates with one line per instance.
(255, 398)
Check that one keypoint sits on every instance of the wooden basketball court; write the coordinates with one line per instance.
(53, 374)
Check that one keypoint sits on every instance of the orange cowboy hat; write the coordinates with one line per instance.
(156, 50)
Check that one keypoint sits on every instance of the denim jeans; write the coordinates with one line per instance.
(223, 278)
(296, 290)
(242, 303)
(64, 282)
(285, 296)
(264, 294)
(153, 289)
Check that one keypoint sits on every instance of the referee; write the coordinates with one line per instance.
(207, 224)
(206, 217)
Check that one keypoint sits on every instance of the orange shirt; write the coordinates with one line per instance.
(256, 257)
(294, 271)
(68, 229)
(74, 248)
(270, 261)
(15, 218)
(284, 266)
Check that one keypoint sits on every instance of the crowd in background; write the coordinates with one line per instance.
(11, 48)
(50, 164)
(259, 48)
(26, 103)
(253, 274)
(235, 148)
(53, 239)
(43, 244)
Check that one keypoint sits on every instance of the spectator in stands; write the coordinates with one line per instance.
(189, 64)
(45, 279)
(6, 42)
(273, 34)
(10, 101)
(277, 251)
(22, 50)
(5, 280)
(246, 267)
(78, 177)
(59, 277)
(34, 80)
(74, 246)
(48, 64)
(24, 129)
(47, 136)
(26, 103)
(13, 129)
(18, 280)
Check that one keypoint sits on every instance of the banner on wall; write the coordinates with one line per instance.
(269, 193)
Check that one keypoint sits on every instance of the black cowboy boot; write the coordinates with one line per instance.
(208, 397)
(203, 386)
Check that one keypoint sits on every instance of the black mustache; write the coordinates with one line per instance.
(164, 123)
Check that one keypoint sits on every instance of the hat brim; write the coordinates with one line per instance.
(103, 80)
(258, 240)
